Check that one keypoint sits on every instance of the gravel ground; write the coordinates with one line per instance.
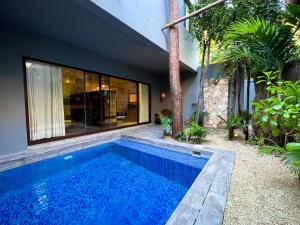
(262, 189)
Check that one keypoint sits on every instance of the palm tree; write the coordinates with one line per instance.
(267, 47)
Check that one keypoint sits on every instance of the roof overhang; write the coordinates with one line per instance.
(86, 25)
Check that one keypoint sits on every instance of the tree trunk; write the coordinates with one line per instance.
(238, 87)
(232, 94)
(175, 86)
(206, 45)
(260, 90)
(197, 116)
(248, 71)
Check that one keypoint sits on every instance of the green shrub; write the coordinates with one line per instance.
(193, 133)
(268, 149)
(292, 157)
(166, 123)
(180, 136)
(232, 124)
(278, 116)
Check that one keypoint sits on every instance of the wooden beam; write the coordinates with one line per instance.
(202, 10)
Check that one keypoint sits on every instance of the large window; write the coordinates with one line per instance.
(64, 101)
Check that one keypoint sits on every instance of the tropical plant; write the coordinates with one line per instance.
(232, 124)
(292, 16)
(292, 157)
(181, 136)
(208, 28)
(278, 116)
(264, 9)
(270, 149)
(268, 46)
(193, 133)
(166, 123)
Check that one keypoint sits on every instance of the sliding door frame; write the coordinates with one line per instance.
(44, 140)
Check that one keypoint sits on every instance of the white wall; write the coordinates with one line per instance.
(147, 17)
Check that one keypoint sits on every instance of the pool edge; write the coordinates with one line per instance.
(205, 201)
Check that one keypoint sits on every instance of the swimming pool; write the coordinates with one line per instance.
(119, 182)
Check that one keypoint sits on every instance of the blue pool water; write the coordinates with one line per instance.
(120, 182)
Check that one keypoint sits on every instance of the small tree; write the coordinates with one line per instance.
(207, 28)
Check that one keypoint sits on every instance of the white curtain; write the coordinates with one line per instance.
(45, 100)
(143, 103)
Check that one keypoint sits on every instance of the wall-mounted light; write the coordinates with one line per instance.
(132, 98)
(162, 96)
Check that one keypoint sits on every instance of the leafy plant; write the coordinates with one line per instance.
(268, 149)
(232, 124)
(268, 46)
(292, 157)
(166, 123)
(193, 133)
(292, 16)
(278, 116)
(181, 136)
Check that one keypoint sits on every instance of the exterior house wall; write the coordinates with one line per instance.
(16, 42)
(147, 18)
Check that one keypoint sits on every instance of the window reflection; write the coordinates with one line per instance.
(105, 102)
(74, 102)
(92, 101)
(123, 102)
(65, 101)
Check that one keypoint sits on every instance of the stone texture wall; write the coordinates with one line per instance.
(215, 102)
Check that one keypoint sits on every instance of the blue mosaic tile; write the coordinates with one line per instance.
(121, 182)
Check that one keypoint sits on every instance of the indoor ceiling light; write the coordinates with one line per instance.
(28, 64)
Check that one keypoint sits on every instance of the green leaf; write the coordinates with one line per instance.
(276, 132)
(292, 146)
(265, 118)
(267, 149)
(277, 107)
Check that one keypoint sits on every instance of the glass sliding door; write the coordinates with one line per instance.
(74, 100)
(92, 101)
(144, 103)
(123, 102)
(105, 102)
(64, 101)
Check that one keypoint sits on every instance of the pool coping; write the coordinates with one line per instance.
(39, 152)
(205, 201)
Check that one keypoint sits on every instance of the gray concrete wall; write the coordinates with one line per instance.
(15, 42)
(147, 18)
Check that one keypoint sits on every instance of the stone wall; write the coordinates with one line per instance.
(215, 102)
